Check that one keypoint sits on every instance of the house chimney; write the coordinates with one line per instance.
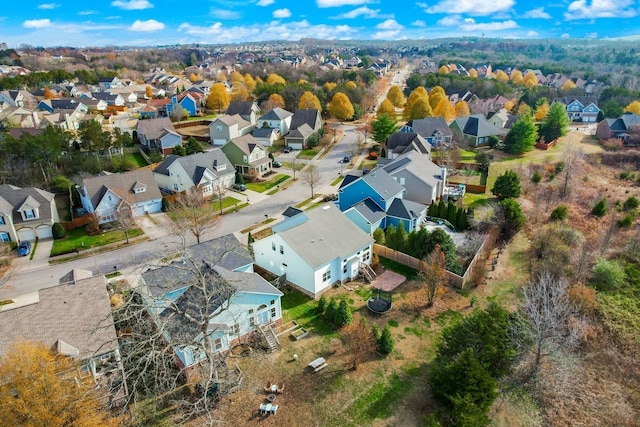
(443, 176)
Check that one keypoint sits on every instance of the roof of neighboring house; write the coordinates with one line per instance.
(63, 103)
(382, 183)
(477, 125)
(263, 132)
(12, 198)
(122, 184)
(72, 316)
(322, 234)
(421, 167)
(276, 114)
(624, 122)
(243, 108)
(405, 209)
(401, 142)
(291, 211)
(427, 127)
(310, 117)
(369, 210)
(196, 164)
(231, 120)
(18, 132)
(159, 103)
(303, 131)
(156, 128)
(105, 96)
(583, 100)
(247, 143)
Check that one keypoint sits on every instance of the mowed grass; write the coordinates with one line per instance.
(78, 239)
(136, 159)
(261, 187)
(304, 310)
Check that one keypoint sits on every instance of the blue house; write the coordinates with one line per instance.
(187, 101)
(376, 200)
(237, 301)
(580, 108)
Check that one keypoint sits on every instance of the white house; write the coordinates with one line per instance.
(203, 170)
(26, 213)
(103, 194)
(276, 118)
(315, 249)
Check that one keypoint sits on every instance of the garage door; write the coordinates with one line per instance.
(26, 234)
(44, 232)
(219, 141)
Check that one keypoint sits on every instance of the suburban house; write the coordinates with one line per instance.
(190, 102)
(248, 110)
(433, 129)
(238, 301)
(304, 124)
(626, 127)
(248, 156)
(20, 117)
(226, 127)
(403, 142)
(26, 213)
(202, 170)
(423, 180)
(276, 118)
(107, 83)
(476, 129)
(74, 320)
(105, 193)
(315, 249)
(113, 100)
(66, 104)
(14, 98)
(376, 200)
(501, 119)
(158, 135)
(580, 109)
(266, 136)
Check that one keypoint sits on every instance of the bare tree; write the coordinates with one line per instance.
(548, 311)
(124, 216)
(360, 342)
(219, 190)
(434, 274)
(311, 177)
(572, 158)
(194, 214)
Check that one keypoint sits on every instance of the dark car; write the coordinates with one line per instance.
(287, 149)
(24, 248)
(346, 159)
(276, 164)
(239, 187)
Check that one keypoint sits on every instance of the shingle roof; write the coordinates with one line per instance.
(243, 108)
(405, 209)
(328, 234)
(369, 210)
(402, 142)
(383, 183)
(263, 132)
(78, 314)
(247, 143)
(195, 164)
(122, 184)
(421, 167)
(427, 127)
(234, 119)
(310, 117)
(477, 125)
(276, 114)
(156, 128)
(12, 198)
(302, 131)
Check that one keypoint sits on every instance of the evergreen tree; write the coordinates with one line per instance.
(512, 217)
(452, 211)
(600, 209)
(322, 304)
(193, 146)
(522, 136)
(396, 238)
(382, 127)
(343, 315)
(331, 311)
(179, 150)
(378, 236)
(555, 124)
(507, 186)
(386, 342)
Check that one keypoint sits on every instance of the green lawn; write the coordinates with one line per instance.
(466, 155)
(261, 187)
(226, 202)
(337, 181)
(289, 165)
(407, 272)
(304, 310)
(136, 159)
(79, 239)
(308, 154)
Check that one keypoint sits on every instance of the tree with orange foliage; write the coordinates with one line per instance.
(473, 73)
(276, 100)
(47, 93)
(568, 85)
(39, 388)
(148, 92)
(502, 76)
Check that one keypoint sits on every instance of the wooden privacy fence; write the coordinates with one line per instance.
(478, 261)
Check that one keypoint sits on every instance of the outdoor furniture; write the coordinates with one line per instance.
(280, 389)
(268, 409)
(271, 397)
(318, 364)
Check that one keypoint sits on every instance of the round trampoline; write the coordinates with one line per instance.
(379, 304)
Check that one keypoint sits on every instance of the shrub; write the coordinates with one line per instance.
(507, 186)
(584, 297)
(626, 221)
(386, 342)
(378, 236)
(559, 167)
(537, 177)
(58, 231)
(322, 304)
(608, 274)
(559, 213)
(343, 315)
(60, 183)
(331, 310)
(600, 209)
(373, 155)
(630, 203)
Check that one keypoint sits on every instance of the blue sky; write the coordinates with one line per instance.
(157, 22)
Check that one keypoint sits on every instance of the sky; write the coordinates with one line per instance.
(168, 22)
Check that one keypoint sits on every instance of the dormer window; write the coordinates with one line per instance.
(29, 214)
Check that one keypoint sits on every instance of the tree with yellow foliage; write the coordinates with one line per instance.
(329, 86)
(386, 107)
(218, 98)
(445, 110)
(435, 97)
(249, 83)
(633, 107)
(510, 105)
(523, 109)
(443, 70)
(542, 109)
(236, 76)
(148, 92)
(350, 85)
(38, 388)
(502, 76)
(517, 77)
(462, 109)
(193, 77)
(308, 101)
(302, 82)
(473, 73)
(239, 92)
(273, 79)
(395, 96)
(420, 109)
(569, 84)
(47, 93)
(276, 100)
(530, 80)
(418, 93)
(340, 107)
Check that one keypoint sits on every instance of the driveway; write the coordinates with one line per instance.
(41, 253)
(155, 225)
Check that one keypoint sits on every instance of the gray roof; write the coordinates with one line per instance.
(382, 183)
(156, 128)
(416, 164)
(369, 210)
(402, 142)
(276, 114)
(247, 143)
(405, 209)
(326, 235)
(196, 164)
(230, 120)
(122, 184)
(244, 108)
(311, 117)
(263, 132)
(12, 198)
(78, 314)
(477, 125)
(427, 127)
(302, 131)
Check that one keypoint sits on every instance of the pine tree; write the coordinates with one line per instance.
(343, 315)
(322, 304)
(331, 311)
(386, 342)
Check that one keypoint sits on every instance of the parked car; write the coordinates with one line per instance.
(287, 149)
(24, 248)
(346, 159)
(276, 164)
(239, 187)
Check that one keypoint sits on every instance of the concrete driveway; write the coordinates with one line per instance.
(41, 254)
(155, 225)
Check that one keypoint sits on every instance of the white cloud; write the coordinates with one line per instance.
(537, 13)
(48, 6)
(281, 13)
(450, 21)
(593, 35)
(470, 24)
(36, 23)
(386, 35)
(338, 3)
(470, 7)
(390, 24)
(532, 34)
(363, 11)
(583, 9)
(149, 25)
(87, 12)
(565, 36)
(418, 23)
(225, 14)
(265, 2)
(132, 4)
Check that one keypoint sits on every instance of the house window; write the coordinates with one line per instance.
(244, 159)
(273, 312)
(235, 329)
(4, 237)
(175, 186)
(221, 167)
(252, 320)
(366, 256)
(281, 249)
(217, 344)
(344, 269)
(219, 128)
(2, 221)
(30, 214)
(326, 276)
(402, 180)
(273, 246)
